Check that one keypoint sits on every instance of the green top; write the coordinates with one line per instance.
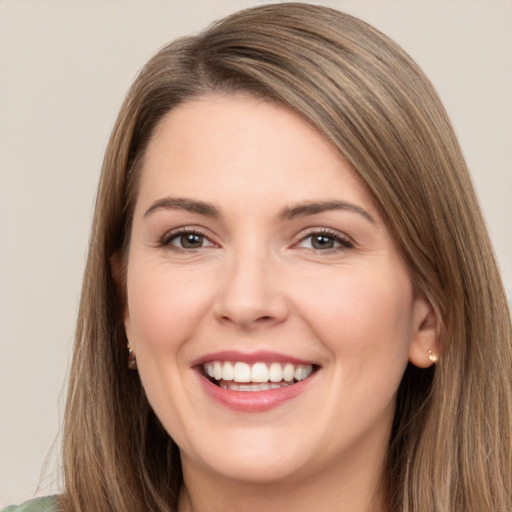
(46, 504)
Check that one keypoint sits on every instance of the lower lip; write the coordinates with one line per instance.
(254, 401)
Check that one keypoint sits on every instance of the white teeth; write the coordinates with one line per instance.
(262, 386)
(259, 372)
(288, 372)
(228, 372)
(307, 371)
(275, 372)
(267, 376)
(217, 370)
(242, 372)
(302, 372)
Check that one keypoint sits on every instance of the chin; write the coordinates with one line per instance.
(258, 459)
(258, 472)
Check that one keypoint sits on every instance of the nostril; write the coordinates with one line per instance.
(246, 323)
(265, 319)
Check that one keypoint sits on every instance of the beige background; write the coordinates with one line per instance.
(64, 68)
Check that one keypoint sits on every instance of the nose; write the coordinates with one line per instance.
(251, 294)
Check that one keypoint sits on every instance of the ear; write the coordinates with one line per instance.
(424, 348)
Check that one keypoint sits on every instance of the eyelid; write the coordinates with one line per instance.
(165, 240)
(346, 242)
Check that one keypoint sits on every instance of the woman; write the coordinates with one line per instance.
(288, 248)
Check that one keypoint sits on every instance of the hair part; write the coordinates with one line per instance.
(450, 447)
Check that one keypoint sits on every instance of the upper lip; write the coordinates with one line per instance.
(250, 357)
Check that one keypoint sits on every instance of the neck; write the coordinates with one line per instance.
(336, 490)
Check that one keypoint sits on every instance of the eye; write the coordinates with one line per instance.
(185, 239)
(324, 241)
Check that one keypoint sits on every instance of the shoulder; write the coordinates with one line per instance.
(46, 504)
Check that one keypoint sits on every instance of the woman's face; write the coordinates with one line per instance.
(269, 310)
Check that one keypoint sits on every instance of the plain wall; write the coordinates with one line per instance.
(64, 69)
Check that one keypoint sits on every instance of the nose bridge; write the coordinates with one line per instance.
(250, 293)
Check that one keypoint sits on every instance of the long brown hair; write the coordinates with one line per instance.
(450, 447)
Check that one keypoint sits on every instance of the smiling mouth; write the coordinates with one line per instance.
(241, 376)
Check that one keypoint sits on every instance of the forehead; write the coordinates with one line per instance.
(244, 146)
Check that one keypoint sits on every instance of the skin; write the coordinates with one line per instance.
(256, 281)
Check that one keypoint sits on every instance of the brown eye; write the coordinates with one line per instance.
(322, 241)
(191, 240)
(186, 240)
(326, 241)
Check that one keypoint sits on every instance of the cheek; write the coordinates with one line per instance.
(163, 304)
(361, 312)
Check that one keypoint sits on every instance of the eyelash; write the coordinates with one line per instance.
(166, 240)
(338, 238)
(343, 241)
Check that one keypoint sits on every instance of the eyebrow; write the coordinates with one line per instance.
(314, 207)
(303, 209)
(189, 205)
